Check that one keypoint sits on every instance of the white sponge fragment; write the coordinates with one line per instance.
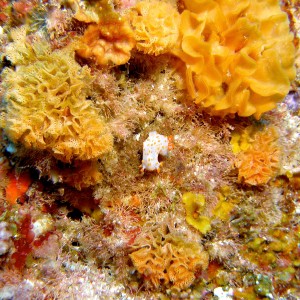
(156, 144)
(223, 295)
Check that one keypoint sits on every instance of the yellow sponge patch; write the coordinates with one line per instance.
(194, 204)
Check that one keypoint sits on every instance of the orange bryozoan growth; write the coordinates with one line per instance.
(239, 56)
(261, 161)
(168, 260)
(156, 26)
(108, 42)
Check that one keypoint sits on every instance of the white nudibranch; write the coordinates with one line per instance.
(156, 144)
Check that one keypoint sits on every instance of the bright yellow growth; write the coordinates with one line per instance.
(108, 42)
(261, 161)
(225, 206)
(156, 26)
(242, 141)
(239, 55)
(222, 210)
(169, 261)
(46, 106)
(194, 204)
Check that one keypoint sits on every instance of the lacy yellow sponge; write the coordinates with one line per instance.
(46, 107)
(239, 55)
(156, 26)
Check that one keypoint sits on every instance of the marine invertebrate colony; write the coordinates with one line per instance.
(155, 31)
(237, 60)
(166, 259)
(108, 42)
(46, 106)
(77, 217)
(261, 160)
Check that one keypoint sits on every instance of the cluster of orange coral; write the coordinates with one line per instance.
(261, 161)
(156, 26)
(169, 260)
(239, 56)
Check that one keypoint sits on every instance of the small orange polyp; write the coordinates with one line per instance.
(17, 187)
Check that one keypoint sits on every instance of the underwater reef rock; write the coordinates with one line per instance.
(78, 217)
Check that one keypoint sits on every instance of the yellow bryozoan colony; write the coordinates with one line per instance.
(239, 55)
(156, 26)
(46, 106)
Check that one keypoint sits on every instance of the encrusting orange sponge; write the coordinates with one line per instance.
(239, 56)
